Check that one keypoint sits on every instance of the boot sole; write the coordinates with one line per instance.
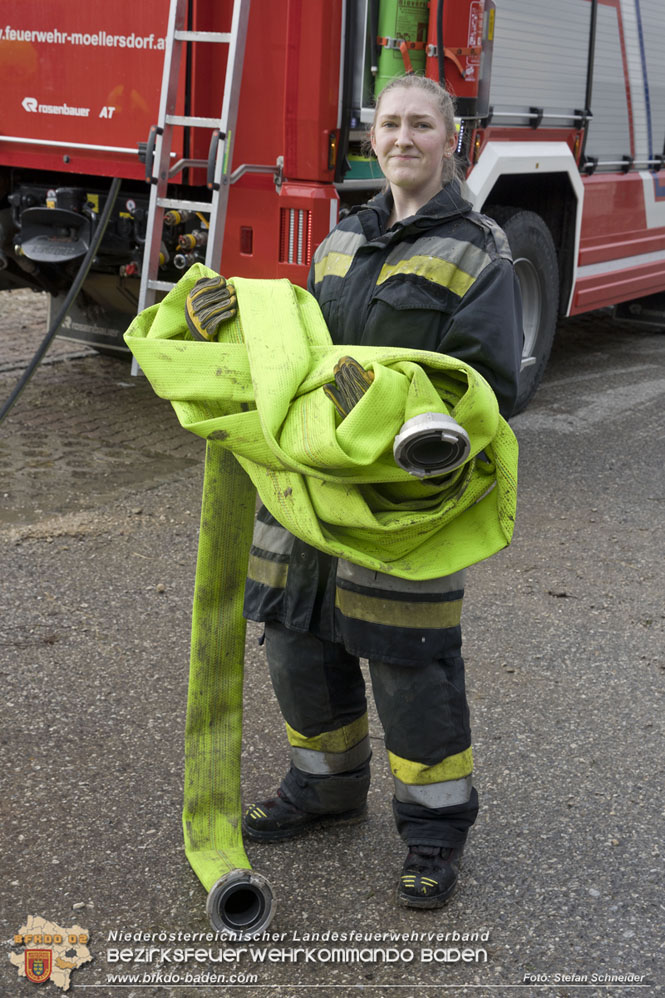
(323, 821)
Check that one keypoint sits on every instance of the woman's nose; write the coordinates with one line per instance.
(403, 137)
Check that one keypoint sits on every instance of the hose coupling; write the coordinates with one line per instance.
(431, 444)
(240, 904)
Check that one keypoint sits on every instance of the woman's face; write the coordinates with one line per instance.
(410, 141)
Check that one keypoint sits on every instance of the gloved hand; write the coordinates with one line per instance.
(210, 303)
(351, 383)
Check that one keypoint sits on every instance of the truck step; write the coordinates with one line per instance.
(160, 285)
(221, 37)
(192, 122)
(179, 204)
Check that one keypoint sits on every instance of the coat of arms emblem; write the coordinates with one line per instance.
(38, 965)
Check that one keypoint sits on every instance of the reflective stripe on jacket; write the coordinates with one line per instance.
(373, 615)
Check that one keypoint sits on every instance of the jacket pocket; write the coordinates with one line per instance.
(406, 313)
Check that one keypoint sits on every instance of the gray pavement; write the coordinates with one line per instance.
(565, 663)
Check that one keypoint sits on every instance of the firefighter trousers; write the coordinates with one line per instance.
(424, 713)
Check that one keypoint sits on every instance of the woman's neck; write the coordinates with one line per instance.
(405, 204)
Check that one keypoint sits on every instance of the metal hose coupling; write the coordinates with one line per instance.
(240, 904)
(431, 444)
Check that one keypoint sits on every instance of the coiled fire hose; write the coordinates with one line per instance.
(257, 396)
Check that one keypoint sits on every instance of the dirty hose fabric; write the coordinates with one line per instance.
(257, 397)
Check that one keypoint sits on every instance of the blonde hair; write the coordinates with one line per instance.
(445, 106)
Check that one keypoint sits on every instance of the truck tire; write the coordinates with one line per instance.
(537, 271)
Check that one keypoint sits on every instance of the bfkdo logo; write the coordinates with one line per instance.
(38, 965)
(52, 952)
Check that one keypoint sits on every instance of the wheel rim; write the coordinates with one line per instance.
(532, 306)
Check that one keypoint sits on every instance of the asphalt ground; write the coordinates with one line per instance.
(565, 667)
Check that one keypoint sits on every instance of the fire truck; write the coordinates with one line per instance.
(238, 131)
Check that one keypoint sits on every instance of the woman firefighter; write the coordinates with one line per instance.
(415, 267)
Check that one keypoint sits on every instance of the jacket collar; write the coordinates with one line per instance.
(448, 203)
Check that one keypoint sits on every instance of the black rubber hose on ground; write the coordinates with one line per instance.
(69, 300)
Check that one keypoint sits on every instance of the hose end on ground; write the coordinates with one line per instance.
(240, 903)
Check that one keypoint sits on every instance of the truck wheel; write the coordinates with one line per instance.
(537, 271)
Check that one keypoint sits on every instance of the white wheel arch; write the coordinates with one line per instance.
(499, 159)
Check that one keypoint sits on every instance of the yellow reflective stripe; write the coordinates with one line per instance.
(471, 259)
(455, 767)
(331, 741)
(332, 265)
(269, 573)
(398, 613)
(442, 272)
(256, 812)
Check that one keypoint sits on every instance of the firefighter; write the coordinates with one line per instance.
(415, 267)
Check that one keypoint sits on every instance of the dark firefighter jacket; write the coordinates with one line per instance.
(440, 280)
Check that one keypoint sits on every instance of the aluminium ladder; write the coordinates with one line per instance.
(221, 145)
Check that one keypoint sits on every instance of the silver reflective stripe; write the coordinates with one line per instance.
(340, 242)
(472, 259)
(500, 238)
(325, 763)
(434, 794)
(379, 580)
(271, 537)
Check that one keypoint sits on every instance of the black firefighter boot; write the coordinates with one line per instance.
(429, 876)
(276, 819)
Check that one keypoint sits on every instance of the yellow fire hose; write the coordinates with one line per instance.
(257, 396)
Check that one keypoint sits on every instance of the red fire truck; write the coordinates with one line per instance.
(561, 116)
